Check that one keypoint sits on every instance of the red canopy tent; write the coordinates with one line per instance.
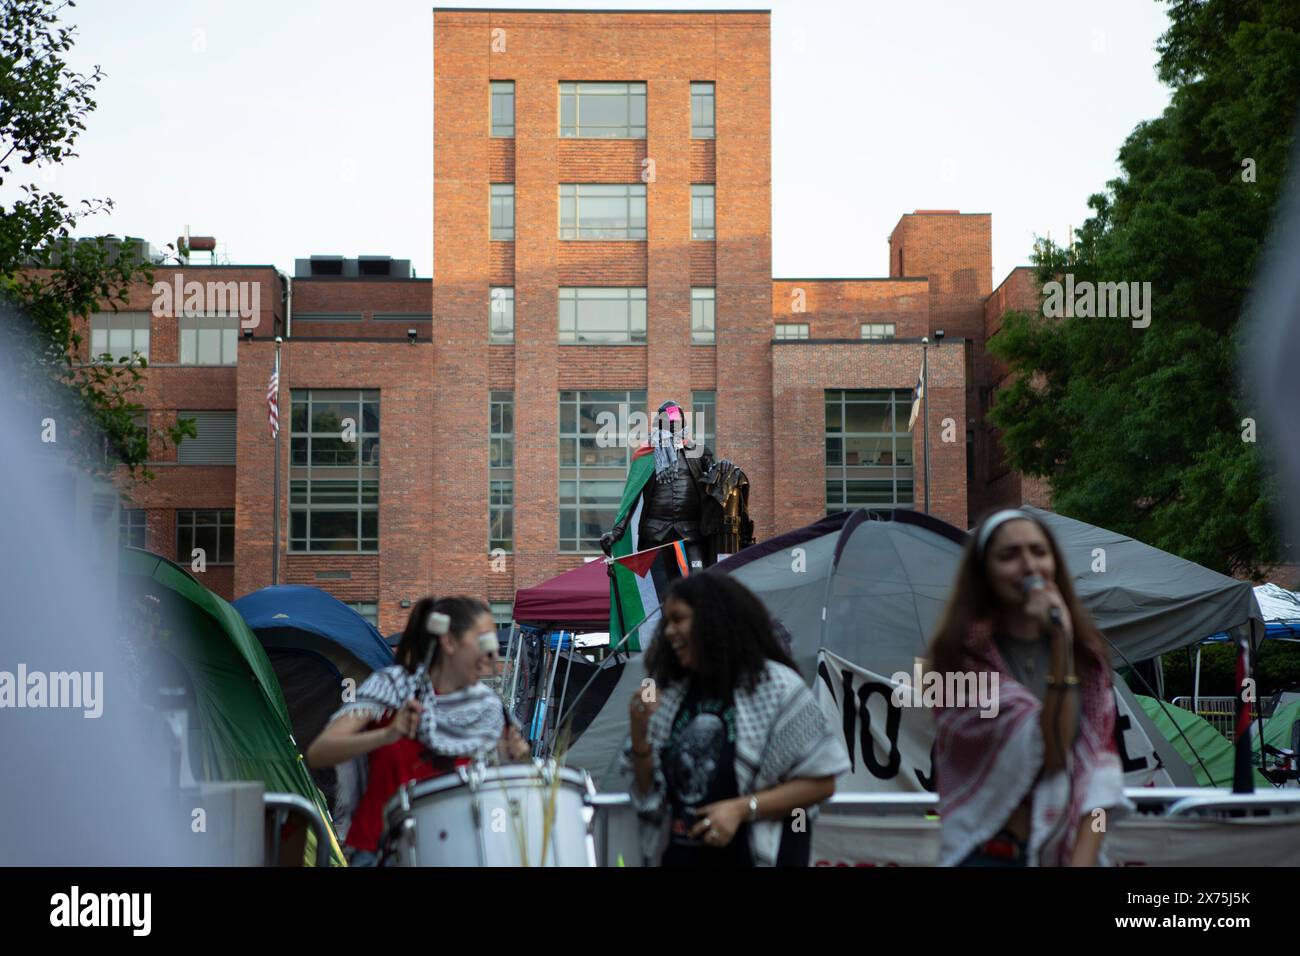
(576, 597)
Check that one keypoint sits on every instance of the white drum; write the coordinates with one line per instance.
(516, 815)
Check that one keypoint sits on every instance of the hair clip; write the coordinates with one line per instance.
(438, 623)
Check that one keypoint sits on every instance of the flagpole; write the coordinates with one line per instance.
(275, 501)
(925, 415)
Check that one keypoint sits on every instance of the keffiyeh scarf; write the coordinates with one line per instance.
(781, 734)
(460, 724)
(985, 766)
(666, 446)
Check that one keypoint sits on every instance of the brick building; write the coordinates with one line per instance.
(602, 242)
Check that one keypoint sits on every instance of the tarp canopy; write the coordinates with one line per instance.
(1147, 601)
(240, 728)
(576, 597)
(1281, 610)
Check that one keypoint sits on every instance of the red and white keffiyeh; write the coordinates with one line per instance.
(985, 766)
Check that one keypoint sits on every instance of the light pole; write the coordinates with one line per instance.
(925, 416)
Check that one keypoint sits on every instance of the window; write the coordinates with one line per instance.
(590, 211)
(214, 443)
(503, 211)
(334, 470)
(367, 609)
(878, 330)
(703, 302)
(702, 126)
(868, 449)
(602, 110)
(501, 315)
(121, 335)
(593, 462)
(209, 339)
(131, 528)
(792, 330)
(704, 418)
(212, 531)
(503, 108)
(501, 471)
(702, 225)
(602, 315)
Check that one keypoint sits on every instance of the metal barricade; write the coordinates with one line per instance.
(279, 806)
(1219, 712)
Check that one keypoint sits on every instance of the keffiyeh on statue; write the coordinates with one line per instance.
(460, 724)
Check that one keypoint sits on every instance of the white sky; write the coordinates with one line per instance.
(287, 127)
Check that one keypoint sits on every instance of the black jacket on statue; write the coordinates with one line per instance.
(673, 508)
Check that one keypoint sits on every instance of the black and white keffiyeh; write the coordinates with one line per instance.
(460, 724)
(668, 449)
(781, 734)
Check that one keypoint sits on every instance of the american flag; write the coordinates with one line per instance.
(273, 400)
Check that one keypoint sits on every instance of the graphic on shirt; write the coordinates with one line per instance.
(696, 757)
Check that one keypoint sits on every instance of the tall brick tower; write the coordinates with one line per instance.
(605, 179)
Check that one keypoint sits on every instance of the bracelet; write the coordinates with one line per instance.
(643, 753)
(753, 807)
(1067, 684)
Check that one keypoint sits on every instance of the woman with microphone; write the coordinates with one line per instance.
(1037, 782)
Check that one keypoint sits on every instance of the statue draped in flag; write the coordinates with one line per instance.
(679, 504)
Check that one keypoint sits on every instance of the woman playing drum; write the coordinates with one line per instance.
(420, 718)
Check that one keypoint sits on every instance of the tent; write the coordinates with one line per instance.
(866, 590)
(314, 643)
(578, 598)
(239, 724)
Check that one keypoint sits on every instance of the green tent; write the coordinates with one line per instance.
(1215, 752)
(240, 727)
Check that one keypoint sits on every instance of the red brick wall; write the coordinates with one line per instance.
(802, 372)
(602, 263)
(366, 297)
(1019, 291)
(836, 308)
(405, 567)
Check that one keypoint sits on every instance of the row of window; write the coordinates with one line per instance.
(602, 110)
(204, 339)
(868, 330)
(617, 315)
(211, 530)
(600, 315)
(601, 211)
(334, 471)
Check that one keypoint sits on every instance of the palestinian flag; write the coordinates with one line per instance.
(640, 577)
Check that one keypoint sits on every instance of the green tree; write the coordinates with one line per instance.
(50, 278)
(1141, 429)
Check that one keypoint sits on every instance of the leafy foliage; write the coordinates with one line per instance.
(50, 278)
(1142, 430)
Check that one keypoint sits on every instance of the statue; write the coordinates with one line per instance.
(676, 491)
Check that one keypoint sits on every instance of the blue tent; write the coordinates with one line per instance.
(315, 643)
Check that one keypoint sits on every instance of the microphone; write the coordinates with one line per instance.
(1035, 582)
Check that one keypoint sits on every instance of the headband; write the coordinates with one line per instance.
(996, 520)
